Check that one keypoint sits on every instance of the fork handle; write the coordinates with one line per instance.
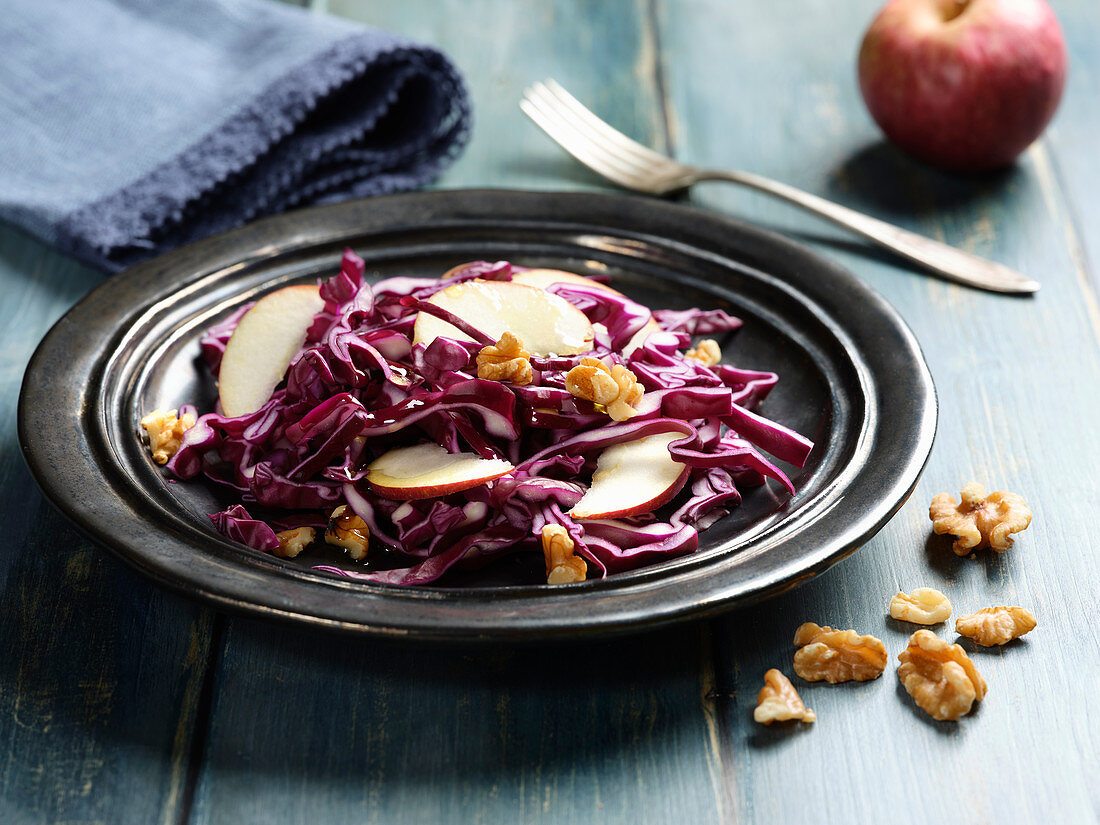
(947, 261)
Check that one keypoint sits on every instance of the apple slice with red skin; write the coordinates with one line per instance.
(545, 323)
(633, 477)
(429, 471)
(262, 346)
(543, 278)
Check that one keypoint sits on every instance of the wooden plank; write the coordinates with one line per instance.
(99, 670)
(310, 728)
(1070, 171)
(771, 89)
(307, 728)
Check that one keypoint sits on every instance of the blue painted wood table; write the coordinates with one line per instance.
(120, 702)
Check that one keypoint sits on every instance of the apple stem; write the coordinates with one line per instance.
(955, 9)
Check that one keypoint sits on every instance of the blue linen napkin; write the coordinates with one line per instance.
(130, 127)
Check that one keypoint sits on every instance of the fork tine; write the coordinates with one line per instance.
(628, 163)
(606, 130)
(603, 146)
(540, 96)
(581, 145)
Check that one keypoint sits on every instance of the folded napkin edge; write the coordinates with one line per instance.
(124, 226)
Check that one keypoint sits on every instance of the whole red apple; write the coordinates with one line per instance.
(963, 84)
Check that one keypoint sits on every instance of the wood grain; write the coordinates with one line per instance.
(1017, 383)
(99, 670)
(373, 732)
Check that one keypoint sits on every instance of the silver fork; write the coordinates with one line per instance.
(610, 153)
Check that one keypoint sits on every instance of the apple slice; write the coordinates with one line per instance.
(633, 477)
(545, 323)
(428, 470)
(543, 278)
(638, 338)
(262, 346)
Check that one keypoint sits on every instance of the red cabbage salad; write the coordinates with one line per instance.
(431, 425)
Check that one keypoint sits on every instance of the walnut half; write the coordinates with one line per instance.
(562, 564)
(996, 625)
(939, 676)
(506, 360)
(980, 519)
(348, 530)
(706, 352)
(616, 389)
(837, 655)
(778, 701)
(293, 542)
(166, 432)
(925, 605)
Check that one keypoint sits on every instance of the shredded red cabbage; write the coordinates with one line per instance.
(360, 387)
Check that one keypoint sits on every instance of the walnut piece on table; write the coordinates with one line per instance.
(563, 566)
(616, 389)
(996, 625)
(979, 519)
(925, 605)
(778, 701)
(939, 676)
(293, 542)
(837, 655)
(348, 530)
(706, 352)
(166, 432)
(506, 360)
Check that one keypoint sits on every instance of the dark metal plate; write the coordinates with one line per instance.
(852, 378)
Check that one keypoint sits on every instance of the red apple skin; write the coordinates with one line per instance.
(662, 498)
(429, 490)
(963, 90)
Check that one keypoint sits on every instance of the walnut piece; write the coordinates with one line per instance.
(293, 542)
(592, 380)
(778, 701)
(939, 676)
(706, 352)
(562, 564)
(616, 389)
(347, 530)
(166, 432)
(925, 605)
(996, 625)
(506, 360)
(980, 519)
(837, 655)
